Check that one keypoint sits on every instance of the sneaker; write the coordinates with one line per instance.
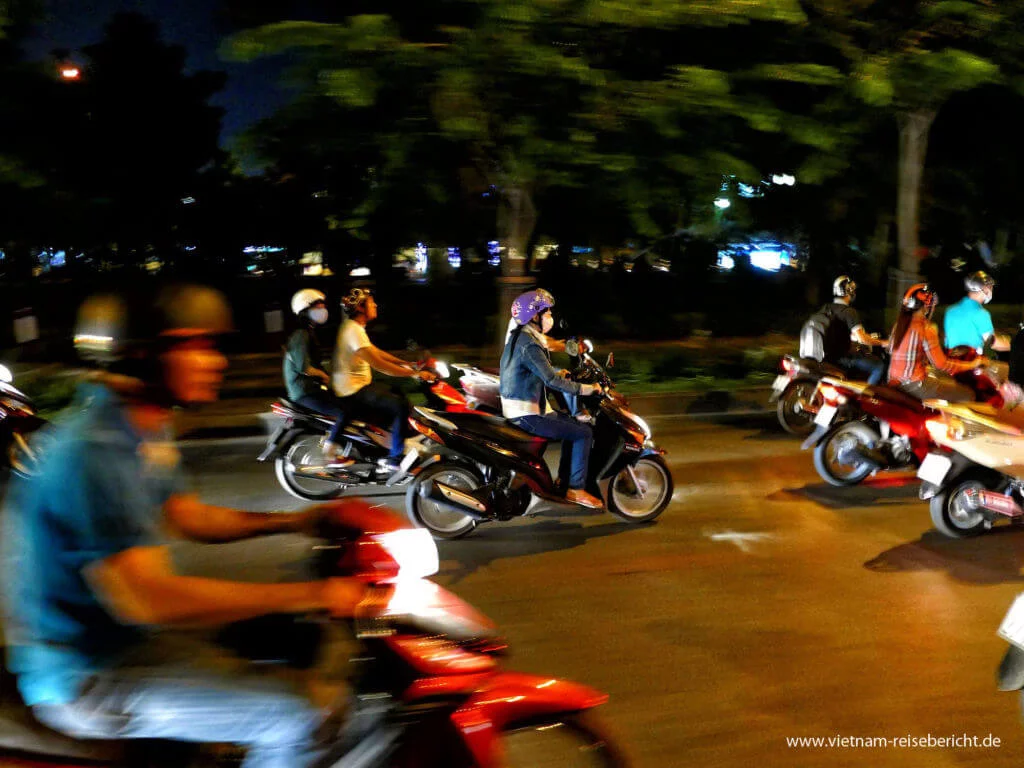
(584, 499)
(388, 465)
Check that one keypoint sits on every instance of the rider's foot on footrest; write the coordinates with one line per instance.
(584, 499)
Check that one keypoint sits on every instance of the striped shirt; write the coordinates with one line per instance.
(918, 347)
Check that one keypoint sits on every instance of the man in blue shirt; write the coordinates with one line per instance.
(968, 323)
(88, 578)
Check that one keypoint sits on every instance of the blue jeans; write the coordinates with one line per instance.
(328, 405)
(186, 703)
(871, 368)
(383, 407)
(558, 426)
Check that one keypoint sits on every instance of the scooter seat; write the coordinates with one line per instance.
(498, 429)
(897, 396)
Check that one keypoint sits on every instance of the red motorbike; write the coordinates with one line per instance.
(862, 429)
(428, 684)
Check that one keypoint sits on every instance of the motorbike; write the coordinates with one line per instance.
(863, 429)
(975, 476)
(19, 427)
(303, 470)
(795, 392)
(487, 469)
(427, 685)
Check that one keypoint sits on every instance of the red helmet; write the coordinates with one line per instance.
(920, 295)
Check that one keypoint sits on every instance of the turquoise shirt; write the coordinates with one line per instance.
(967, 323)
(96, 495)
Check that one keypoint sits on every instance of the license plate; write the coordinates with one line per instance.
(1012, 628)
(781, 382)
(934, 468)
(825, 415)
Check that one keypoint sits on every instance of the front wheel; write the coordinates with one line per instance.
(950, 513)
(640, 492)
(568, 741)
(441, 521)
(793, 409)
(836, 457)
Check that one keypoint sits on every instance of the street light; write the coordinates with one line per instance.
(70, 72)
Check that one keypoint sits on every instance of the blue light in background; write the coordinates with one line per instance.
(455, 257)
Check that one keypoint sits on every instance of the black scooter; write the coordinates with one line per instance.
(490, 470)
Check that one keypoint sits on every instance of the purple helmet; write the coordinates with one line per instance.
(530, 304)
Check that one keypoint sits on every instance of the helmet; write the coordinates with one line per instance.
(306, 298)
(354, 300)
(920, 295)
(530, 304)
(843, 286)
(978, 281)
(112, 326)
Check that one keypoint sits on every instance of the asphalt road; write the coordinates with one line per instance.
(763, 605)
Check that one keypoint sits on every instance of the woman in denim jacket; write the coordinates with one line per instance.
(525, 372)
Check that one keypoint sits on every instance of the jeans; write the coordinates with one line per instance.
(558, 426)
(184, 703)
(870, 367)
(175, 686)
(382, 406)
(328, 405)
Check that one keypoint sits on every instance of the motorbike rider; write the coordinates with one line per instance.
(914, 343)
(305, 380)
(526, 371)
(88, 578)
(828, 334)
(968, 323)
(355, 359)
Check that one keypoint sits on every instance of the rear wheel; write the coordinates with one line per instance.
(792, 409)
(950, 513)
(640, 492)
(441, 521)
(569, 741)
(301, 470)
(836, 457)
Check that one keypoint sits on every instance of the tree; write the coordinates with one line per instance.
(908, 59)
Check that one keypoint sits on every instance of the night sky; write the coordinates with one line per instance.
(252, 91)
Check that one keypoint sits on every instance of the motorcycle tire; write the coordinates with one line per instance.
(426, 513)
(824, 454)
(949, 518)
(791, 408)
(622, 499)
(301, 448)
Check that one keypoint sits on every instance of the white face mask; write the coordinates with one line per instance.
(547, 322)
(988, 296)
(318, 315)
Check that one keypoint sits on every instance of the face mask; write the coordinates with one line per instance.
(318, 315)
(547, 322)
(988, 297)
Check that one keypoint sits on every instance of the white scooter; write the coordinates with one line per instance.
(976, 477)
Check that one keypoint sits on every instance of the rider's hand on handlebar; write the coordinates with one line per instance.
(428, 376)
(598, 389)
(348, 597)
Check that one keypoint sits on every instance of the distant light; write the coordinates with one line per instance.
(784, 179)
(70, 73)
(770, 261)
(455, 258)
(360, 272)
(748, 191)
(494, 252)
(187, 200)
(190, 248)
(725, 261)
(722, 203)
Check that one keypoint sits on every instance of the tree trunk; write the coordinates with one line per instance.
(516, 219)
(914, 127)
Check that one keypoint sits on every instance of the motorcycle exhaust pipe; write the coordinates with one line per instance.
(991, 501)
(454, 499)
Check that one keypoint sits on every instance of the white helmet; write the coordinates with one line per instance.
(306, 298)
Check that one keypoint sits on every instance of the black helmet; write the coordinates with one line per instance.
(117, 327)
(978, 281)
(843, 287)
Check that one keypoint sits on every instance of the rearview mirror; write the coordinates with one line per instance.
(588, 345)
(572, 348)
(611, 360)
